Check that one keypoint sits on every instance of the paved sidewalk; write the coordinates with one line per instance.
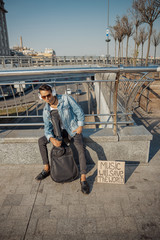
(31, 210)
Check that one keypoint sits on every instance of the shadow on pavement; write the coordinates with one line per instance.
(91, 179)
(129, 170)
(152, 124)
(130, 167)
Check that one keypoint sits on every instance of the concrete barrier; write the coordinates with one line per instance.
(130, 144)
(104, 95)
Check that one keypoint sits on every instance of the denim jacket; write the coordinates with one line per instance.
(71, 114)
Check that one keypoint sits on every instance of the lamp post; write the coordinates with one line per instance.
(107, 34)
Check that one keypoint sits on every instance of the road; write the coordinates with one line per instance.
(35, 106)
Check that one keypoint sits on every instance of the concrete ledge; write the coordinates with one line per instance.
(105, 134)
(134, 133)
(131, 144)
(21, 136)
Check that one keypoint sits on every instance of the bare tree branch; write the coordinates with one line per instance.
(128, 31)
(119, 29)
(155, 41)
(149, 11)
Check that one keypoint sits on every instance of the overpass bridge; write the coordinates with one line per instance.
(41, 61)
(115, 136)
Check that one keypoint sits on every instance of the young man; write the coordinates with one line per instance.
(71, 118)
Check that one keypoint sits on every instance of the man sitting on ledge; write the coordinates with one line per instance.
(71, 117)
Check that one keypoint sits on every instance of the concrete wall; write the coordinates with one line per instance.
(131, 144)
(104, 96)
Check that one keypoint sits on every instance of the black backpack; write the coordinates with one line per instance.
(63, 166)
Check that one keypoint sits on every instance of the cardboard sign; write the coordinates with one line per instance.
(111, 172)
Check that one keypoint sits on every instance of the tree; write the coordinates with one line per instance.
(118, 28)
(149, 11)
(128, 31)
(137, 39)
(155, 42)
(137, 22)
(143, 38)
(157, 3)
(114, 35)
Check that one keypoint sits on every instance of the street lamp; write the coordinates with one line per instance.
(107, 35)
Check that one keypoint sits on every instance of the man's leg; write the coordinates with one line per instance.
(42, 142)
(79, 145)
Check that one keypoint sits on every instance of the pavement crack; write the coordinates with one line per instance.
(31, 211)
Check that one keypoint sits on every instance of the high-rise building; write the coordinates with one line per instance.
(4, 43)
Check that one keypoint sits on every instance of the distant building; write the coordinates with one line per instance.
(4, 43)
(49, 52)
(29, 52)
(22, 50)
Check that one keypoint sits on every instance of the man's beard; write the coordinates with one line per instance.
(53, 101)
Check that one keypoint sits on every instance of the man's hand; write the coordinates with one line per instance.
(55, 142)
(78, 130)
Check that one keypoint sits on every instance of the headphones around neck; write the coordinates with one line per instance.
(53, 92)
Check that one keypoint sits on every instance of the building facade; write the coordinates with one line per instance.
(4, 43)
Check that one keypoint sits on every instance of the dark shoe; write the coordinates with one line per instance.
(84, 187)
(43, 175)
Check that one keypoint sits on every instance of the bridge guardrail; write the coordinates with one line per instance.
(23, 97)
(30, 61)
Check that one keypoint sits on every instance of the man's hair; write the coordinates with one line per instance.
(45, 87)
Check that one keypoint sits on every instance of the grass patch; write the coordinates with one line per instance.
(13, 111)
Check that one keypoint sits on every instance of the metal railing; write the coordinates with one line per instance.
(39, 61)
(19, 99)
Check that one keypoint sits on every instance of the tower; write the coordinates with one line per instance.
(4, 43)
(21, 43)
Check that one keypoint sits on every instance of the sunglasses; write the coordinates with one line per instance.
(47, 96)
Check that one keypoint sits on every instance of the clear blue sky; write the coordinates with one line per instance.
(70, 27)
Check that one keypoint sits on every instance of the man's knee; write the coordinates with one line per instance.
(42, 141)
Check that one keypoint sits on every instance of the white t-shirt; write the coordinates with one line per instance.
(53, 108)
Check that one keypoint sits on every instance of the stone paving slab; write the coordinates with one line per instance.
(47, 210)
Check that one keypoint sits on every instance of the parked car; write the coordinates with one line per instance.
(78, 92)
(68, 91)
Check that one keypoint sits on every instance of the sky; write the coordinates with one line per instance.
(70, 27)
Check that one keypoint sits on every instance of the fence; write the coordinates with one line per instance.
(37, 61)
(19, 99)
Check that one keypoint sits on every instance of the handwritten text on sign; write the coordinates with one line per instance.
(111, 172)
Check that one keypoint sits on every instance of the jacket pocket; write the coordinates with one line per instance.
(73, 125)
